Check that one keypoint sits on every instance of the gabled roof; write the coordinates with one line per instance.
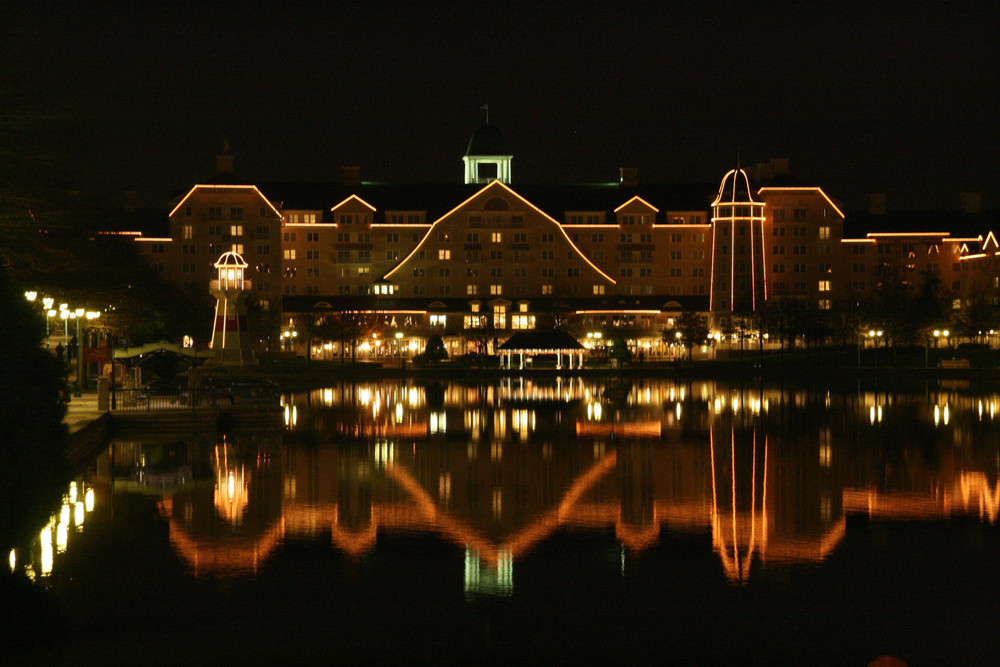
(436, 199)
(541, 341)
(506, 190)
(953, 221)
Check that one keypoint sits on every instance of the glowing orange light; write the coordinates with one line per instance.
(805, 189)
(639, 199)
(252, 188)
(482, 192)
(355, 198)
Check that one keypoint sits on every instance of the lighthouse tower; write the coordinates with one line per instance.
(739, 271)
(230, 339)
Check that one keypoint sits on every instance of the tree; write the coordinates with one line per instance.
(977, 319)
(481, 336)
(692, 327)
(435, 350)
(32, 406)
(348, 328)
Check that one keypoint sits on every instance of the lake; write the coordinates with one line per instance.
(541, 519)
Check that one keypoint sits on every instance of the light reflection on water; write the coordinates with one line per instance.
(771, 475)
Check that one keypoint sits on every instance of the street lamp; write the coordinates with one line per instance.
(78, 315)
(47, 303)
(64, 314)
(875, 335)
(399, 347)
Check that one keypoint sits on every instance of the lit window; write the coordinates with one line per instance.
(499, 317)
(496, 289)
(289, 253)
(598, 289)
(824, 286)
(444, 254)
(824, 232)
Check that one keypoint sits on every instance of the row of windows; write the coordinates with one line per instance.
(235, 212)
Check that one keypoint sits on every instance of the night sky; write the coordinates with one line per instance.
(901, 98)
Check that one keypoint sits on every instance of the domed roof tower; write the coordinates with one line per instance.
(735, 189)
(739, 277)
(487, 157)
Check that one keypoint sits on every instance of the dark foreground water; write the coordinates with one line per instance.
(556, 521)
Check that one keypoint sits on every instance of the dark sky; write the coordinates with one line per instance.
(899, 97)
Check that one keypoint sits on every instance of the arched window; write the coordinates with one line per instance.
(496, 204)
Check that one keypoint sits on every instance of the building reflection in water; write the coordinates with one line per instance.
(770, 474)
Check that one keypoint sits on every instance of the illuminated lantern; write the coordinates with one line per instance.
(230, 339)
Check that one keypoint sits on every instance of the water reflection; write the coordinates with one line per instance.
(38, 559)
(770, 474)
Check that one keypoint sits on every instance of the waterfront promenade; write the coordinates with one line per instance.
(81, 411)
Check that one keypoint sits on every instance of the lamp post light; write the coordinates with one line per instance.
(47, 302)
(78, 315)
(875, 335)
(64, 314)
(48, 314)
(399, 347)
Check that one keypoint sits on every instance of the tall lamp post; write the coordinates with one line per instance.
(91, 315)
(875, 336)
(47, 302)
(399, 347)
(938, 333)
(78, 315)
(64, 315)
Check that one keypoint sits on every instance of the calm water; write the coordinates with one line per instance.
(543, 521)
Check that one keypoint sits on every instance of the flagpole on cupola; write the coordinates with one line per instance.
(486, 108)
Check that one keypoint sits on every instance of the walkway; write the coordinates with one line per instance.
(81, 411)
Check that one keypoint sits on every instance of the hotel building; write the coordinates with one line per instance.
(488, 253)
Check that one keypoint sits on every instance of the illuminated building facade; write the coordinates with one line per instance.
(487, 253)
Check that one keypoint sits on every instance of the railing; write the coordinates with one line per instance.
(148, 400)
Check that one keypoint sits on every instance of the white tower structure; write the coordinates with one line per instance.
(487, 157)
(739, 278)
(230, 338)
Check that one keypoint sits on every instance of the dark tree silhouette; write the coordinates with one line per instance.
(32, 406)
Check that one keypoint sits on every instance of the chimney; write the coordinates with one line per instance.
(972, 202)
(224, 161)
(766, 171)
(352, 177)
(629, 177)
(876, 203)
